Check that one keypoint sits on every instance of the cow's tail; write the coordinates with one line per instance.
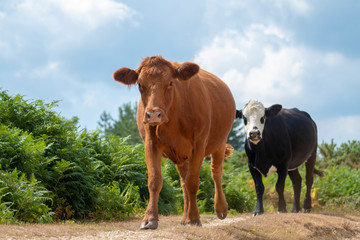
(228, 150)
(319, 173)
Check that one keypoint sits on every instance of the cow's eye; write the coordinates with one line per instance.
(171, 83)
(245, 120)
(139, 85)
(262, 120)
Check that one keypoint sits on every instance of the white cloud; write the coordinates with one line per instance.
(260, 63)
(54, 22)
(61, 16)
(296, 6)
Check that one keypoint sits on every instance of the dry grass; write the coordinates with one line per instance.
(242, 226)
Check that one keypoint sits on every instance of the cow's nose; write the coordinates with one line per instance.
(153, 117)
(254, 134)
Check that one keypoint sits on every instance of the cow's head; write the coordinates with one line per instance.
(157, 80)
(254, 115)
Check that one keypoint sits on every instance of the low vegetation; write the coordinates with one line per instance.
(51, 170)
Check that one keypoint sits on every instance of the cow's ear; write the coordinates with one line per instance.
(239, 114)
(125, 76)
(186, 70)
(273, 110)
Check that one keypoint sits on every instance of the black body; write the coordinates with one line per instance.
(289, 139)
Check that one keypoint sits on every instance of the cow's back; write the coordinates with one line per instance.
(292, 133)
(220, 107)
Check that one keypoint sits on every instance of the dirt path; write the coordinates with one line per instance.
(242, 226)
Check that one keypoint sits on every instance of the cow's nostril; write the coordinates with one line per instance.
(153, 117)
(254, 134)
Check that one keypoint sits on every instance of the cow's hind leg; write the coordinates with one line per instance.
(183, 171)
(280, 184)
(310, 165)
(192, 182)
(220, 204)
(296, 182)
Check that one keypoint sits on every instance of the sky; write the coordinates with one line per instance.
(298, 53)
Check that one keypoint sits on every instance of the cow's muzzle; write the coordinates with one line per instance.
(155, 116)
(255, 136)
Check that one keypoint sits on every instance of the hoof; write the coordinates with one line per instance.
(306, 210)
(282, 210)
(153, 224)
(257, 214)
(194, 223)
(221, 215)
(294, 210)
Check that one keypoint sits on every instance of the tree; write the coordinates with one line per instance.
(236, 136)
(123, 127)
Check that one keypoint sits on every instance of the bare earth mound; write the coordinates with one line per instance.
(242, 226)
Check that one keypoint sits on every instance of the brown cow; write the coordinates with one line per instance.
(184, 114)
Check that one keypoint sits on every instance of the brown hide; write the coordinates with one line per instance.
(184, 114)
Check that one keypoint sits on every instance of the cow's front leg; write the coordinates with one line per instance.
(153, 163)
(192, 185)
(280, 184)
(259, 187)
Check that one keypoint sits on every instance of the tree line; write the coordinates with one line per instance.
(53, 170)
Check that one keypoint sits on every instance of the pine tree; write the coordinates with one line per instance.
(124, 126)
(236, 136)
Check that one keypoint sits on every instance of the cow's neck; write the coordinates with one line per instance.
(173, 135)
(262, 161)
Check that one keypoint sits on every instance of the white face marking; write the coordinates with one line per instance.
(254, 118)
(272, 169)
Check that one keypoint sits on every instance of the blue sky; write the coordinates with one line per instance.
(298, 53)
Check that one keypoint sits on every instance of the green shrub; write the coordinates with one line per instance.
(27, 197)
(237, 183)
(239, 191)
(172, 194)
(348, 153)
(339, 187)
(206, 192)
(71, 164)
(115, 203)
(6, 213)
(20, 150)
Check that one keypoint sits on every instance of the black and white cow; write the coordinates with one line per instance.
(280, 140)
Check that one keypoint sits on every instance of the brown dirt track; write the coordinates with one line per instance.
(241, 226)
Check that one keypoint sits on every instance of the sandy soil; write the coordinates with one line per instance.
(242, 226)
